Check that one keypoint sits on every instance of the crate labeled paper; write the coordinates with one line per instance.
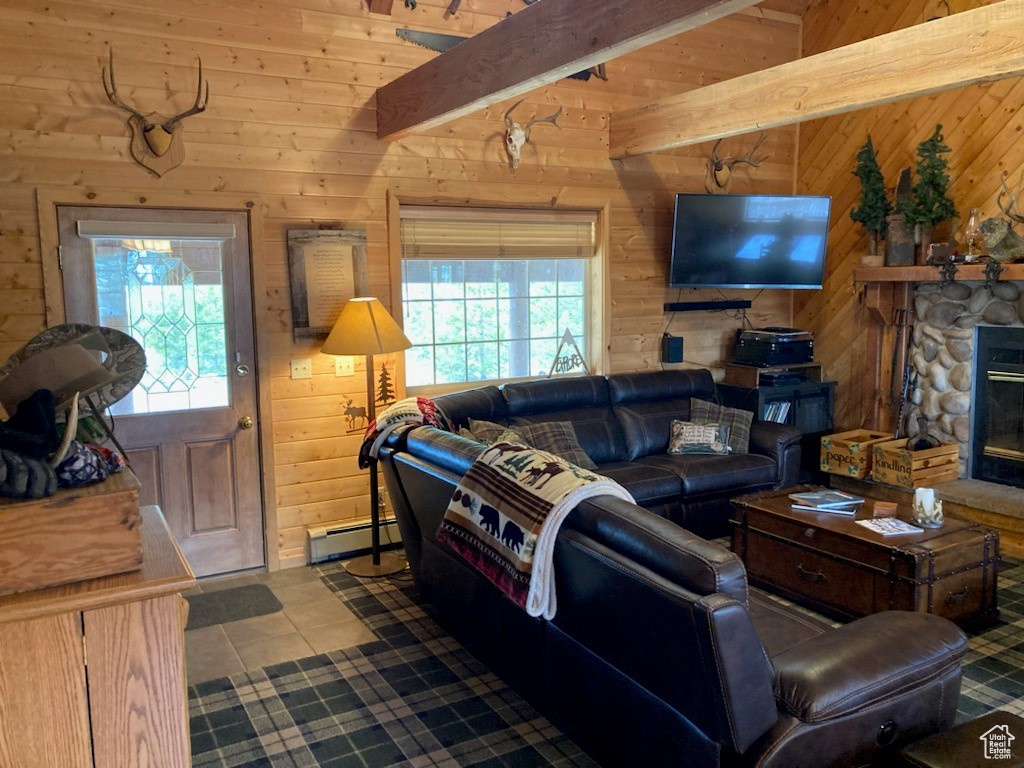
(849, 453)
(895, 464)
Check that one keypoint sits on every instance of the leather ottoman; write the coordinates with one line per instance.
(995, 739)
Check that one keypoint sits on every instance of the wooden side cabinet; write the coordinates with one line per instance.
(92, 673)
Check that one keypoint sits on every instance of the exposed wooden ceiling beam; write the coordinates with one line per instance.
(971, 47)
(540, 44)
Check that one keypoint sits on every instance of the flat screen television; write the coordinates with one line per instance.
(749, 241)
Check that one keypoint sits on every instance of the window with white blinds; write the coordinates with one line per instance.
(488, 293)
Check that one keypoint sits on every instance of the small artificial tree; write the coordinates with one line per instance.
(874, 204)
(930, 203)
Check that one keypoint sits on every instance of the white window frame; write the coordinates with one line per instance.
(595, 286)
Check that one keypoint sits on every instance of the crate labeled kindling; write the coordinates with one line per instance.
(895, 464)
(849, 453)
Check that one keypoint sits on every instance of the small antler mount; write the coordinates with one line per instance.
(156, 142)
(718, 176)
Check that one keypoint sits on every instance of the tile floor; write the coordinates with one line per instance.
(312, 621)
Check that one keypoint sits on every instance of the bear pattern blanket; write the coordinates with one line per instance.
(505, 514)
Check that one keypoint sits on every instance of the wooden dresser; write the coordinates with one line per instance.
(92, 673)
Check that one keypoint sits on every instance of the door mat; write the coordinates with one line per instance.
(232, 604)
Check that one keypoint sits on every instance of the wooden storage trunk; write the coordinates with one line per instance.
(76, 534)
(837, 567)
(895, 464)
(849, 453)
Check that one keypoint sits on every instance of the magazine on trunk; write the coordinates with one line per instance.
(848, 510)
(826, 499)
(889, 526)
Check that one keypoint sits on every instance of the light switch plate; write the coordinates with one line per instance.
(302, 368)
(343, 366)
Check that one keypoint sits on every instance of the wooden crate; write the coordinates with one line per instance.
(849, 453)
(76, 534)
(894, 464)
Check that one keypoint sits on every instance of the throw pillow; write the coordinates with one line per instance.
(688, 437)
(738, 421)
(485, 431)
(557, 437)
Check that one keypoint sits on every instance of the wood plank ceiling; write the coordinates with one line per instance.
(549, 40)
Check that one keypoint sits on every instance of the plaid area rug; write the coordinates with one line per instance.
(416, 697)
(994, 667)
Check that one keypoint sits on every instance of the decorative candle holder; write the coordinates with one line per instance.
(927, 509)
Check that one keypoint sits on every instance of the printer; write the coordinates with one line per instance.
(765, 347)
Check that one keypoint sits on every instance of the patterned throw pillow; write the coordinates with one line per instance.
(557, 437)
(687, 437)
(703, 412)
(485, 431)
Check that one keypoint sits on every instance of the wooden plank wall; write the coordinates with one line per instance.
(981, 124)
(291, 120)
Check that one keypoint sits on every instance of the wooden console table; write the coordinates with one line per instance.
(92, 673)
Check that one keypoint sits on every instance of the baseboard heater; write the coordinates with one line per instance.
(342, 541)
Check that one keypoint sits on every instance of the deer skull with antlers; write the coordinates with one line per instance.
(718, 178)
(156, 144)
(517, 135)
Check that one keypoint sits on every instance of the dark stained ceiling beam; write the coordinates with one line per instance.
(538, 45)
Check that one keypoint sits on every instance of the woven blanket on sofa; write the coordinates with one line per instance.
(411, 410)
(505, 514)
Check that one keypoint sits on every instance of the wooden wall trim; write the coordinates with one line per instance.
(971, 47)
(47, 200)
(536, 46)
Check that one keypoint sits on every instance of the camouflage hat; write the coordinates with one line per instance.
(121, 355)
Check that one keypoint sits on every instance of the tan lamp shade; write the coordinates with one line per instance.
(364, 327)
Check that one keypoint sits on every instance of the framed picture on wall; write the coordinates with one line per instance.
(326, 268)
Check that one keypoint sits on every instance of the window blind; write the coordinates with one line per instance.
(478, 233)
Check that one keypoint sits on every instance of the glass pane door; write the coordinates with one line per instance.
(169, 295)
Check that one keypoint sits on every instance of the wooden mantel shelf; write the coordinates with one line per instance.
(925, 274)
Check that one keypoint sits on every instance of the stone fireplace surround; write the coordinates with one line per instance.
(942, 351)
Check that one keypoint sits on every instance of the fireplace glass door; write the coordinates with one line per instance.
(998, 444)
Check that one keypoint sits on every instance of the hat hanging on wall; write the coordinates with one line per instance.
(119, 363)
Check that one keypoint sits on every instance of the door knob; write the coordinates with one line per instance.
(245, 422)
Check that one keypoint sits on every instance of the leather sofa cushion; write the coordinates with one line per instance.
(843, 671)
(643, 483)
(627, 388)
(646, 427)
(655, 543)
(484, 403)
(712, 474)
(584, 401)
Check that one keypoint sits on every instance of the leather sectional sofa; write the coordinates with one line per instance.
(623, 422)
(658, 654)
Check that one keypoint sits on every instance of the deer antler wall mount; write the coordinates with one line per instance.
(517, 135)
(718, 177)
(156, 142)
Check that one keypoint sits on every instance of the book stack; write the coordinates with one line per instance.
(827, 501)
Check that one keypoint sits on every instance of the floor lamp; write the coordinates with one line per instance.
(364, 327)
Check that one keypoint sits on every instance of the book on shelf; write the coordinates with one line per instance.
(889, 526)
(777, 411)
(826, 499)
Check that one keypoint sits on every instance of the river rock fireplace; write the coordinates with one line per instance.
(968, 353)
